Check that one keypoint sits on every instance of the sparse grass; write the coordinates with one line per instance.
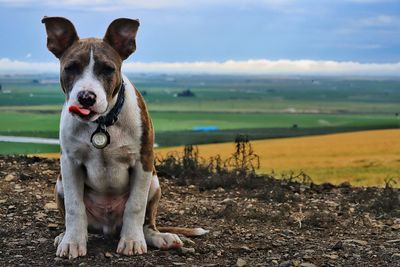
(388, 201)
(383, 202)
(361, 158)
(189, 168)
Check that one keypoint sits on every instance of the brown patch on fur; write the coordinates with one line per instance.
(59, 199)
(146, 149)
(151, 210)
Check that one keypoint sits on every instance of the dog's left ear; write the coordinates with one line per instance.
(121, 35)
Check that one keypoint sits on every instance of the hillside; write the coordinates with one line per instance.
(266, 223)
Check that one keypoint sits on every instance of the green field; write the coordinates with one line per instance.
(262, 107)
(230, 93)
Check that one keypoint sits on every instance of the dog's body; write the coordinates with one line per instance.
(114, 189)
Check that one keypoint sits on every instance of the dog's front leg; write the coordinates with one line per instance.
(73, 242)
(132, 238)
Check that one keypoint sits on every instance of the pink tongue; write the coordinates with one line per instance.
(79, 110)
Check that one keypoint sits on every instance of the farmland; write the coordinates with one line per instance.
(260, 107)
(46, 125)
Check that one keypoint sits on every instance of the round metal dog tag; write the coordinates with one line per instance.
(100, 139)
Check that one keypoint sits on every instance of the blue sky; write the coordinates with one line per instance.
(364, 32)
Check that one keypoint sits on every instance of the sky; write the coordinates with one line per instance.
(330, 37)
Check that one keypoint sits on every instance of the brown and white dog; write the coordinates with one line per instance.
(114, 189)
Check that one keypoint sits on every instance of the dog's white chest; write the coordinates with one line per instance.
(107, 170)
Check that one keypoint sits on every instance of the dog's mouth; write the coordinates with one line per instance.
(82, 112)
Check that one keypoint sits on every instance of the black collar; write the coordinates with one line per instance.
(112, 115)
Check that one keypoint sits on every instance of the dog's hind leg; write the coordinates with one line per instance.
(153, 237)
(59, 196)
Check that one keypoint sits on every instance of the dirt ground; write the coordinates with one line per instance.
(284, 224)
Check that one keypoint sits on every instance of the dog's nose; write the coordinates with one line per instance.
(86, 98)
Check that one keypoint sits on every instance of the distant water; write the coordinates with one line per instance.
(32, 140)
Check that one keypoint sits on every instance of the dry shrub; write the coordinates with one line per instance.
(300, 177)
(243, 160)
(189, 168)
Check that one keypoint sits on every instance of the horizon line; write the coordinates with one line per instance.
(227, 67)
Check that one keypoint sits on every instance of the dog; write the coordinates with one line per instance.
(108, 182)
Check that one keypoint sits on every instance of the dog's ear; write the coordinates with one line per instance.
(61, 34)
(121, 35)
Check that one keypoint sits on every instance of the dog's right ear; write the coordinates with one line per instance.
(61, 34)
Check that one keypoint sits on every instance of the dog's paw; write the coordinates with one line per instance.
(166, 241)
(58, 239)
(68, 247)
(130, 246)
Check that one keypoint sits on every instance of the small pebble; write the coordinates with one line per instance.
(52, 225)
(9, 177)
(241, 262)
(50, 206)
(332, 256)
(185, 251)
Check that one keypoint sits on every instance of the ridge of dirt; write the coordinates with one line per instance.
(282, 224)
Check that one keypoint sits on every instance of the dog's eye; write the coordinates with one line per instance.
(108, 70)
(72, 68)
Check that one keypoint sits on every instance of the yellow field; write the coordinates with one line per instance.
(362, 158)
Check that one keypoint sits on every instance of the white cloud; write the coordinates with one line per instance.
(264, 66)
(8, 66)
(257, 66)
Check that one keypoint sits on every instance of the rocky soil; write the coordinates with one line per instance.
(284, 223)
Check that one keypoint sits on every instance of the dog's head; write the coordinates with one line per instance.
(90, 69)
